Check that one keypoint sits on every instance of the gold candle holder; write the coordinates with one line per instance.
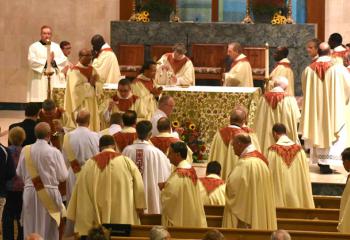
(175, 17)
(247, 19)
(290, 19)
(133, 14)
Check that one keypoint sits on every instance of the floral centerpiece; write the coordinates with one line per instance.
(190, 134)
(263, 10)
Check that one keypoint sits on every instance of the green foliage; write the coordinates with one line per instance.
(159, 10)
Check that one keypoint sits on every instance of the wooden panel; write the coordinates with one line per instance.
(316, 14)
(327, 201)
(256, 56)
(208, 55)
(130, 54)
(158, 50)
(125, 9)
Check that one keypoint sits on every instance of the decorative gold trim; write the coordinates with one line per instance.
(247, 19)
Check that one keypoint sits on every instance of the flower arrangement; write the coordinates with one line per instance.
(191, 136)
(141, 17)
(278, 19)
(263, 10)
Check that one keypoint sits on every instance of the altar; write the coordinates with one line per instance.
(207, 107)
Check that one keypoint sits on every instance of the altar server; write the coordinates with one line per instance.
(290, 171)
(276, 106)
(182, 205)
(108, 190)
(240, 74)
(153, 164)
(41, 168)
(37, 59)
(81, 91)
(175, 68)
(251, 176)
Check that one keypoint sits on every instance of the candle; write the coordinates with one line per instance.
(48, 58)
(267, 62)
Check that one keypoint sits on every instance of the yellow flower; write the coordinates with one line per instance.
(175, 124)
(273, 21)
(145, 13)
(192, 126)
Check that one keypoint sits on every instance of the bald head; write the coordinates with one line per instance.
(163, 125)
(83, 118)
(280, 235)
(280, 81)
(324, 49)
(280, 53)
(34, 236)
(42, 130)
(84, 52)
(238, 116)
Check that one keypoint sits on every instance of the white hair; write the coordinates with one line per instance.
(280, 81)
(280, 235)
(158, 233)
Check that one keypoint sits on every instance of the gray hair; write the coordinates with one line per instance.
(159, 233)
(280, 235)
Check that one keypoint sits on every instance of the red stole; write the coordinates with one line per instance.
(287, 153)
(163, 143)
(320, 68)
(247, 129)
(146, 83)
(188, 172)
(176, 65)
(102, 159)
(124, 104)
(87, 72)
(48, 118)
(210, 184)
(104, 50)
(285, 64)
(273, 98)
(234, 63)
(256, 154)
(227, 133)
(124, 139)
(340, 54)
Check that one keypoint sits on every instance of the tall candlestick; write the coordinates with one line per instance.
(247, 18)
(48, 58)
(267, 61)
(290, 19)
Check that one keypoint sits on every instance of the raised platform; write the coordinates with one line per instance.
(294, 36)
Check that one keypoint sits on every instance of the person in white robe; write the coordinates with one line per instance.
(153, 164)
(312, 49)
(282, 68)
(240, 74)
(325, 117)
(338, 50)
(115, 125)
(37, 59)
(344, 211)
(50, 169)
(66, 48)
(175, 68)
(78, 146)
(105, 61)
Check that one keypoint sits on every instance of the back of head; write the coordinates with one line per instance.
(143, 129)
(116, 118)
(34, 236)
(83, 118)
(345, 155)
(213, 234)
(280, 235)
(163, 100)
(243, 139)
(238, 116)
(159, 233)
(17, 136)
(335, 39)
(214, 168)
(283, 51)
(42, 130)
(98, 233)
(280, 81)
(324, 49)
(181, 148)
(279, 128)
(106, 141)
(31, 110)
(97, 41)
(49, 105)
(237, 47)
(180, 48)
(164, 125)
(129, 118)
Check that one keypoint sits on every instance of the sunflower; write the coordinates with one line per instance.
(145, 13)
(273, 22)
(175, 124)
(192, 126)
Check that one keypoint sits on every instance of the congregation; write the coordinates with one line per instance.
(113, 159)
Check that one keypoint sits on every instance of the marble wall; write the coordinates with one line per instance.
(294, 36)
(337, 19)
(20, 22)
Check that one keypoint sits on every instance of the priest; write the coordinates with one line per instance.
(276, 106)
(105, 61)
(175, 68)
(240, 74)
(344, 213)
(153, 164)
(212, 187)
(324, 122)
(38, 61)
(251, 176)
(182, 205)
(338, 51)
(283, 68)
(81, 91)
(127, 135)
(312, 49)
(290, 171)
(104, 195)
